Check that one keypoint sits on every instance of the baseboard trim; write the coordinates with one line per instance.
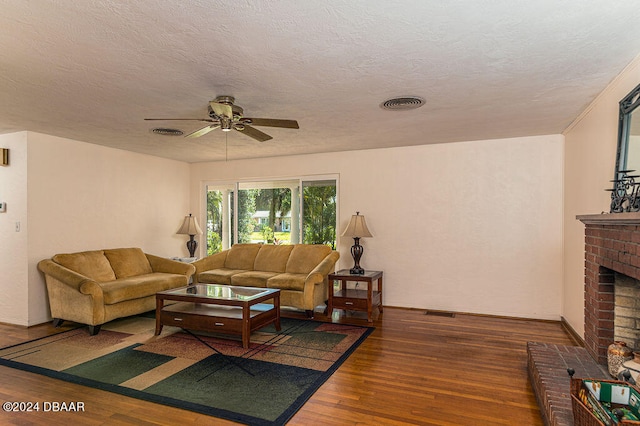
(577, 339)
(436, 311)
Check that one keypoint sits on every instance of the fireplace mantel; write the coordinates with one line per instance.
(630, 218)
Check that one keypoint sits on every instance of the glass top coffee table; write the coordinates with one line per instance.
(219, 308)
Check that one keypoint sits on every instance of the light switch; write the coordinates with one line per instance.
(3, 207)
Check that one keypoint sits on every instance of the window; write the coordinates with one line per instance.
(271, 212)
(219, 214)
(319, 212)
(263, 208)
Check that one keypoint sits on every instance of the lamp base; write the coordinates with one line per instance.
(356, 252)
(192, 245)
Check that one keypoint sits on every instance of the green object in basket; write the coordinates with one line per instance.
(616, 396)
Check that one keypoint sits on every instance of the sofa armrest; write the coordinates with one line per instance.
(62, 274)
(215, 261)
(323, 269)
(169, 266)
(66, 276)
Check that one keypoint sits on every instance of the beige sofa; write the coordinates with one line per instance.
(300, 271)
(95, 287)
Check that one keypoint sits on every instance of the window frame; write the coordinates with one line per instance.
(235, 185)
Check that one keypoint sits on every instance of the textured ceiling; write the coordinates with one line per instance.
(93, 70)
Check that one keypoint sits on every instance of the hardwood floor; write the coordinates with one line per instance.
(414, 369)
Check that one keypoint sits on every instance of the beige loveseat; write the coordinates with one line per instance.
(95, 287)
(299, 271)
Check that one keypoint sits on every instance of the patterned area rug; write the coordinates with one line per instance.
(207, 373)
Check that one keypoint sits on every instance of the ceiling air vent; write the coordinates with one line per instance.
(167, 132)
(403, 103)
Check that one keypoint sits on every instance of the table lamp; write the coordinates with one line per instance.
(357, 229)
(190, 227)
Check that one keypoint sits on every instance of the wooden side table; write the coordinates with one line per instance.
(355, 299)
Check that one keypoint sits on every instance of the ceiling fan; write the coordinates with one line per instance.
(223, 114)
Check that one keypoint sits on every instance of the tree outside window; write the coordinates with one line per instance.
(272, 213)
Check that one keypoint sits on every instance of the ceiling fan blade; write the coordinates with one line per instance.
(221, 110)
(272, 122)
(207, 120)
(203, 131)
(254, 133)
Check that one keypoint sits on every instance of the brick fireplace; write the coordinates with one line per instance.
(612, 271)
(611, 312)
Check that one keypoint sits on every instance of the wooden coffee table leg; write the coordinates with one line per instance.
(159, 306)
(246, 326)
(276, 306)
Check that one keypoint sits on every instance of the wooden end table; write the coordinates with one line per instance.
(355, 299)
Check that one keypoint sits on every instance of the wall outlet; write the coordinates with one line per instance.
(3, 207)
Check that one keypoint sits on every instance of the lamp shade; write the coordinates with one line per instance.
(190, 226)
(357, 227)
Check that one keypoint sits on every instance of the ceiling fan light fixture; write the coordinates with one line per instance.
(402, 103)
(167, 132)
(225, 124)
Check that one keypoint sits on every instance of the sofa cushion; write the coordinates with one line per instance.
(272, 258)
(242, 256)
(128, 262)
(218, 276)
(252, 278)
(140, 286)
(305, 257)
(287, 281)
(91, 264)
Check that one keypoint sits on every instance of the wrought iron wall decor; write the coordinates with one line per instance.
(625, 194)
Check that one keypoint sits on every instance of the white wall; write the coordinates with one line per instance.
(14, 247)
(468, 227)
(590, 151)
(82, 196)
